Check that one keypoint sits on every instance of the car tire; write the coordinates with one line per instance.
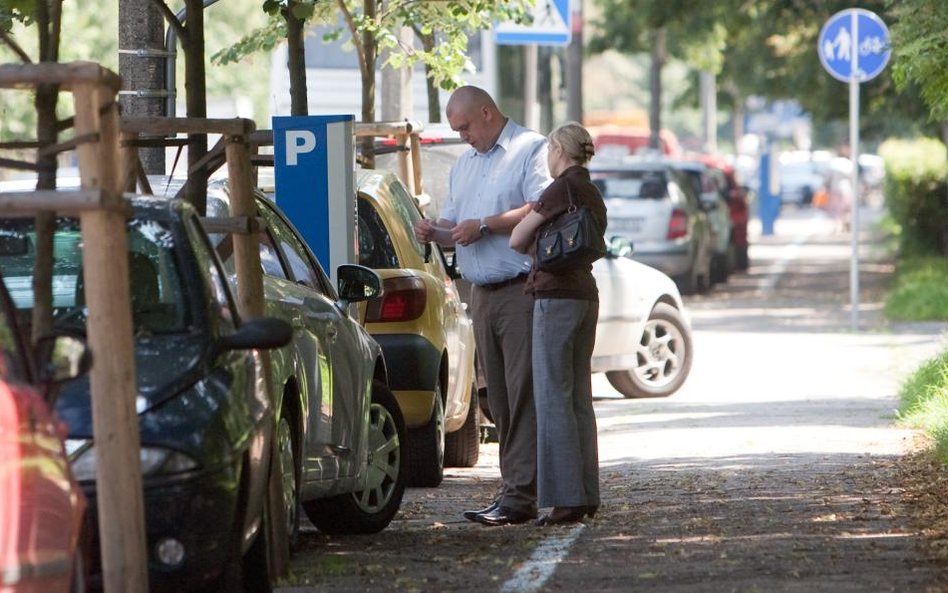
(664, 357)
(742, 261)
(372, 509)
(249, 573)
(425, 451)
(290, 474)
(719, 268)
(79, 582)
(462, 447)
(255, 566)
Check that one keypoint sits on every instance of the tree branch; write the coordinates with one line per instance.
(9, 42)
(360, 51)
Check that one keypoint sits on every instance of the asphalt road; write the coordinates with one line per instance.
(775, 468)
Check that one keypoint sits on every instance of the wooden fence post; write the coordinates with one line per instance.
(114, 418)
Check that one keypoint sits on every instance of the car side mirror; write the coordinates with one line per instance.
(620, 247)
(61, 357)
(357, 283)
(262, 333)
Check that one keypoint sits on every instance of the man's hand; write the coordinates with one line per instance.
(467, 231)
(424, 230)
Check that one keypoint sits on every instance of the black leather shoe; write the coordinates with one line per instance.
(560, 515)
(504, 516)
(470, 515)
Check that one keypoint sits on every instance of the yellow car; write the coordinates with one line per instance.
(426, 335)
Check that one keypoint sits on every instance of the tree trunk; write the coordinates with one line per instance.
(370, 50)
(141, 30)
(48, 23)
(296, 62)
(434, 97)
(655, 109)
(196, 102)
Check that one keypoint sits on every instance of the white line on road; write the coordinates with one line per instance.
(533, 573)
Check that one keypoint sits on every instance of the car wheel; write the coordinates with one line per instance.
(721, 266)
(664, 357)
(290, 475)
(372, 509)
(80, 571)
(255, 569)
(462, 447)
(742, 261)
(425, 451)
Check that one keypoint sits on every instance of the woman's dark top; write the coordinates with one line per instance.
(576, 283)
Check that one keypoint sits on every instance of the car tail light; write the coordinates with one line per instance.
(403, 299)
(678, 225)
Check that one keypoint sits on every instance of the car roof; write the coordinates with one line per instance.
(631, 164)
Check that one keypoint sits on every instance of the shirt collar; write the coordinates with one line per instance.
(503, 141)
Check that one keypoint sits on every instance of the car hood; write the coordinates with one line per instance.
(154, 358)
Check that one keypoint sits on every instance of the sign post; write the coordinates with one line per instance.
(854, 47)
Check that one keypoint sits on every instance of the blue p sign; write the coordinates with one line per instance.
(298, 141)
(314, 165)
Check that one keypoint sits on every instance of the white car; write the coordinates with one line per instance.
(643, 339)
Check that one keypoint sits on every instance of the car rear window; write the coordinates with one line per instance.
(631, 185)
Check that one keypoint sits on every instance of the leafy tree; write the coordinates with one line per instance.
(920, 53)
(689, 30)
(372, 27)
(766, 49)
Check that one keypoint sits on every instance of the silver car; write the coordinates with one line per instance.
(654, 205)
(714, 202)
(340, 428)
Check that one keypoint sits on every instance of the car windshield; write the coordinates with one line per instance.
(158, 304)
(631, 185)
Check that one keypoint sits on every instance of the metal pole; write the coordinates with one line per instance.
(854, 80)
(531, 113)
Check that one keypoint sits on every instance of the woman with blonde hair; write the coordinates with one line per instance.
(565, 313)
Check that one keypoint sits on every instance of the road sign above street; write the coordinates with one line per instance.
(854, 45)
(550, 26)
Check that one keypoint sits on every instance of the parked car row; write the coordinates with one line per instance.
(215, 420)
(368, 386)
(685, 217)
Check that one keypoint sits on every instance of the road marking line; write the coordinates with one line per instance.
(533, 573)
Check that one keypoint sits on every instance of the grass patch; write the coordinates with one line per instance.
(920, 291)
(924, 402)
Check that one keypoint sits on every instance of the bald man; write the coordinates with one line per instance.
(491, 187)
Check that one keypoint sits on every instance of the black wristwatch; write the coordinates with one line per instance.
(484, 229)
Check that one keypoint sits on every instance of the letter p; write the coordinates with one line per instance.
(297, 143)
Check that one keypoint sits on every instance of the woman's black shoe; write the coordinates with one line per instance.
(563, 515)
(591, 510)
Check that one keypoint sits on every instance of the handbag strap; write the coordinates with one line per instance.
(569, 194)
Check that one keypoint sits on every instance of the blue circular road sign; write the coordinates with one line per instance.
(870, 44)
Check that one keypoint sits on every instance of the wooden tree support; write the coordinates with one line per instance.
(109, 328)
(234, 150)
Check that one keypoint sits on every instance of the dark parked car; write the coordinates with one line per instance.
(206, 420)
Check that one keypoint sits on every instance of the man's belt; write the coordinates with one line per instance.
(504, 283)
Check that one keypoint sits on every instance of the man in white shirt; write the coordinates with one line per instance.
(491, 187)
